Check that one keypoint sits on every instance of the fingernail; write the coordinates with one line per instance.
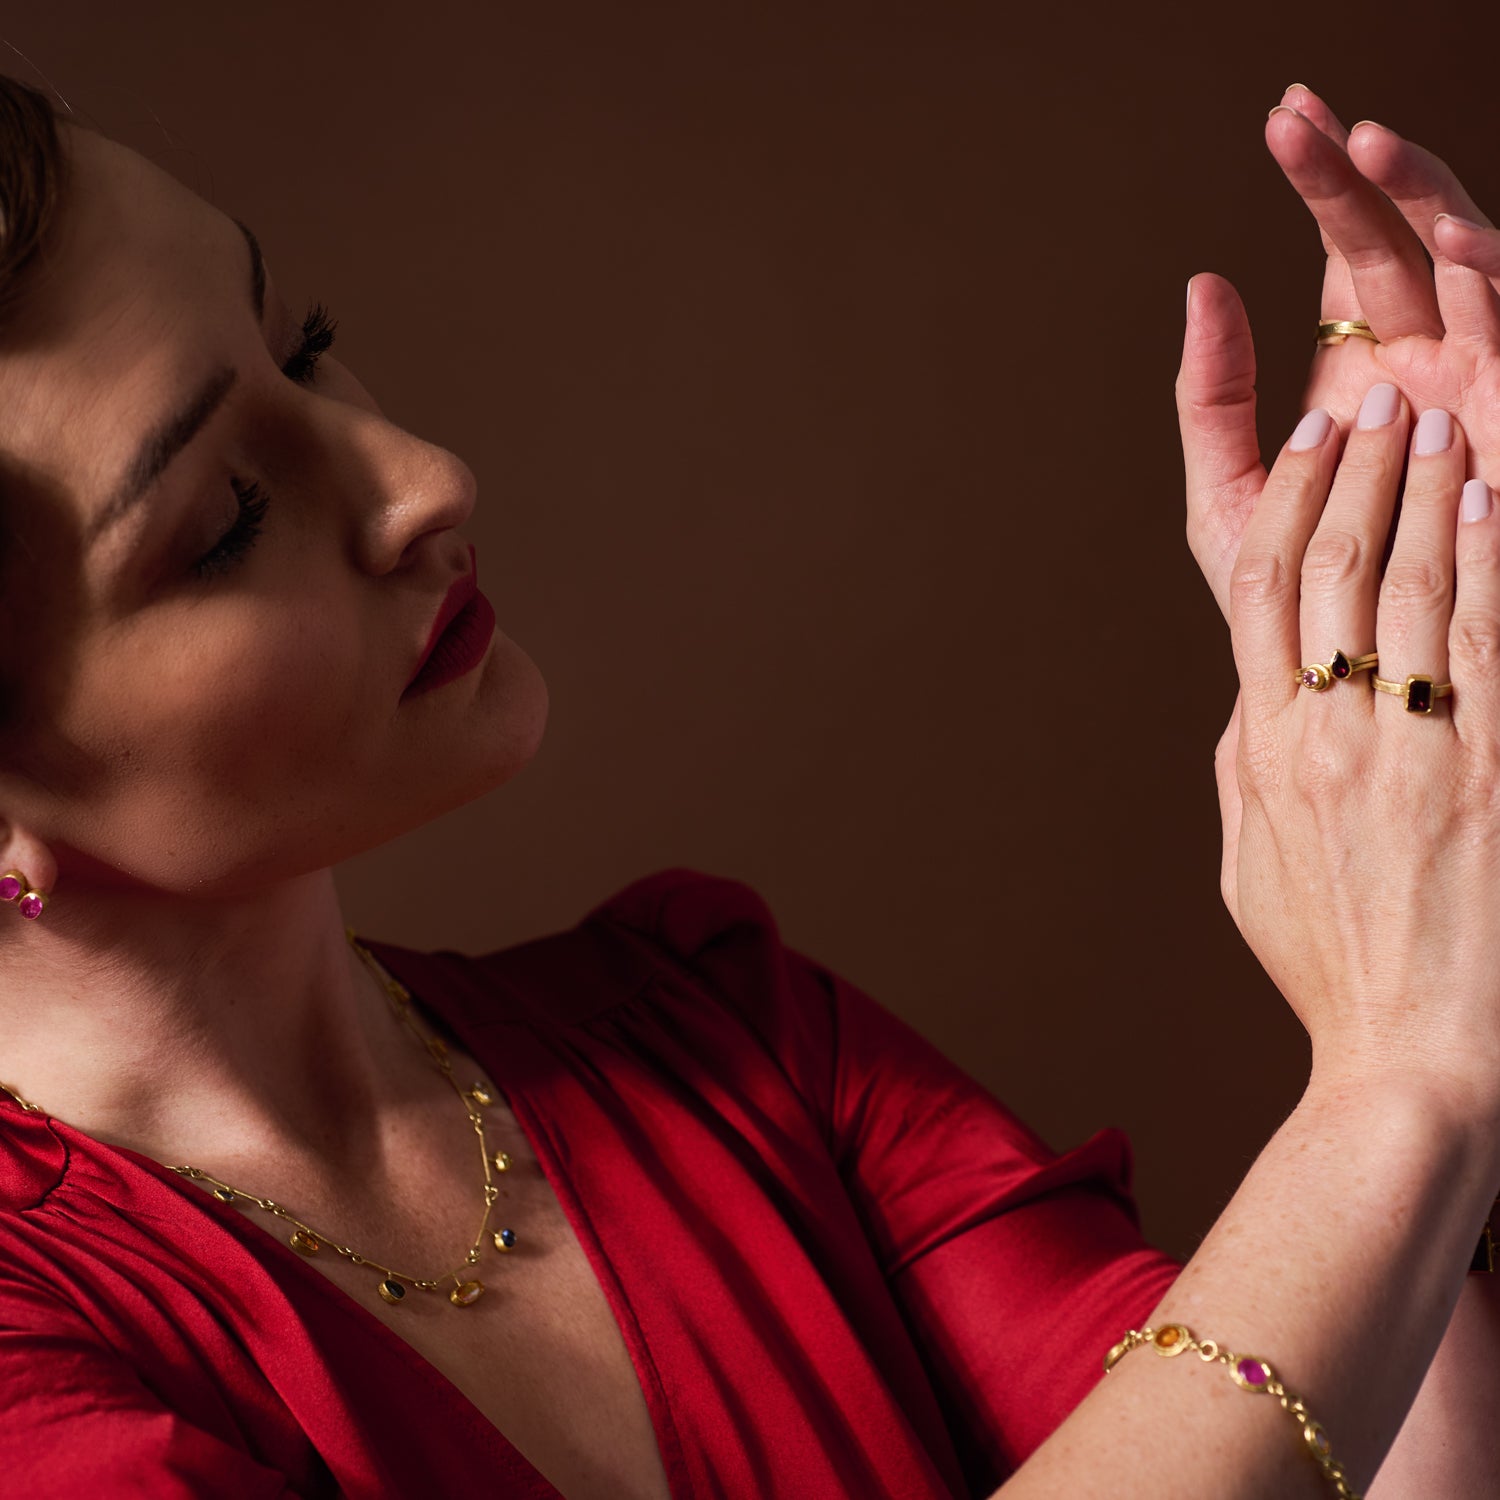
(1287, 90)
(1310, 431)
(1434, 432)
(1373, 124)
(1187, 312)
(1286, 109)
(1476, 501)
(1462, 223)
(1379, 407)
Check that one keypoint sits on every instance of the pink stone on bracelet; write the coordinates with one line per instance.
(1250, 1374)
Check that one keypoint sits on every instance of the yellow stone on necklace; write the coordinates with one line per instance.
(502, 1162)
(466, 1293)
(481, 1095)
(308, 1244)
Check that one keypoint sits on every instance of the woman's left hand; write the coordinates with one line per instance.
(1378, 201)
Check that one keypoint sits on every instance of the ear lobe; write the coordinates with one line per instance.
(27, 861)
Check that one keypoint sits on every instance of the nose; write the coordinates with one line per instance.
(403, 491)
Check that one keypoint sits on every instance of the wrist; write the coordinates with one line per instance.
(1418, 1119)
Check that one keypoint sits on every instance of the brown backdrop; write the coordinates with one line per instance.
(816, 365)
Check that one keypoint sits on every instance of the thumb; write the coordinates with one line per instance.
(1216, 413)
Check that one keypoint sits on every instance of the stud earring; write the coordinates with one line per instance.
(14, 886)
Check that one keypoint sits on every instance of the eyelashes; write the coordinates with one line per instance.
(318, 331)
(240, 538)
(316, 339)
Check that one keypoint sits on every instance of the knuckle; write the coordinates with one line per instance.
(1258, 763)
(1474, 639)
(1319, 772)
(1260, 583)
(1416, 586)
(1334, 559)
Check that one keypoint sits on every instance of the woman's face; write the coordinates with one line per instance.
(220, 571)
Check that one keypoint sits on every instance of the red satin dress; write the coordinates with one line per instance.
(840, 1267)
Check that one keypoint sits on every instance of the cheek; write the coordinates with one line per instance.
(211, 740)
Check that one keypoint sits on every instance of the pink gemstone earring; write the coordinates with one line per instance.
(14, 886)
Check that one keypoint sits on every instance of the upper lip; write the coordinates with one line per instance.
(454, 600)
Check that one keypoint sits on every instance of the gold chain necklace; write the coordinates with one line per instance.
(467, 1289)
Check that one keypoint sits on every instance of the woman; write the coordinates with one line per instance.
(739, 1232)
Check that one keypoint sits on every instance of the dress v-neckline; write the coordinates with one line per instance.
(534, 1126)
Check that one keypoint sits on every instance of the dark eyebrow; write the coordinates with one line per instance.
(165, 442)
(257, 272)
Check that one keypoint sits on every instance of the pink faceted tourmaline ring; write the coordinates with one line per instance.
(32, 905)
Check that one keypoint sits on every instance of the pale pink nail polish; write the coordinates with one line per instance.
(1379, 407)
(1476, 501)
(1434, 432)
(1310, 431)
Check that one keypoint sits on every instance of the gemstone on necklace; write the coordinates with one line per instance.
(502, 1161)
(308, 1244)
(481, 1095)
(225, 1195)
(466, 1293)
(392, 1290)
(505, 1239)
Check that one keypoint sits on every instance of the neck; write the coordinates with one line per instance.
(209, 1030)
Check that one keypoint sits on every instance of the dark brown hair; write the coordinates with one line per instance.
(32, 170)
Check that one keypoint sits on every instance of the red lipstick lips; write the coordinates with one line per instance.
(459, 638)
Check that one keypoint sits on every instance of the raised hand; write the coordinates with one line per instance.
(1383, 206)
(1368, 863)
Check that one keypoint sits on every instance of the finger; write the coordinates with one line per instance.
(1416, 594)
(1468, 242)
(1422, 187)
(1308, 104)
(1388, 268)
(1265, 589)
(1474, 637)
(1338, 285)
(1216, 414)
(1341, 568)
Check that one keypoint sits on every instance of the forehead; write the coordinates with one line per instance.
(124, 308)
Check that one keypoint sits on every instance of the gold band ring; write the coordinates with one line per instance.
(1336, 330)
(1341, 667)
(1420, 691)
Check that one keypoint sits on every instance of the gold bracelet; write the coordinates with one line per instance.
(1250, 1374)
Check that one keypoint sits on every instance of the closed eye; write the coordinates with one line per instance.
(318, 330)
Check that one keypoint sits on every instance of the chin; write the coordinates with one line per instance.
(500, 733)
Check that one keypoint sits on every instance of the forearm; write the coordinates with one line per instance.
(1450, 1441)
(1339, 1261)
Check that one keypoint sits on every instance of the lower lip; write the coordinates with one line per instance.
(459, 649)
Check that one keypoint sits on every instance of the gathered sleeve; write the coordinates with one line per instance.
(77, 1419)
(1015, 1268)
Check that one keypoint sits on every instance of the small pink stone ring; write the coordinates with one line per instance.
(1317, 678)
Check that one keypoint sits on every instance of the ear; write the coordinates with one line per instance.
(22, 850)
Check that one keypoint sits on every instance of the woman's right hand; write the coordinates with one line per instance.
(1368, 837)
